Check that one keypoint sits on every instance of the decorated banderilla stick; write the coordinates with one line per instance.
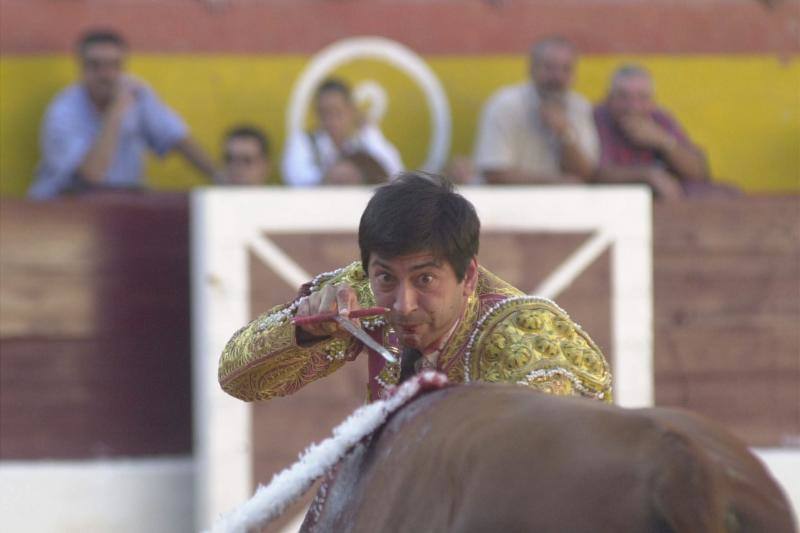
(325, 317)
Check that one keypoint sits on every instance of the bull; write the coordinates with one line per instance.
(489, 457)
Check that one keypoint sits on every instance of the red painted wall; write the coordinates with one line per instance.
(429, 27)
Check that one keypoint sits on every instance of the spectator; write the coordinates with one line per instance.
(246, 156)
(641, 143)
(309, 156)
(539, 131)
(95, 132)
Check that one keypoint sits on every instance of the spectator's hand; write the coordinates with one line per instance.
(554, 115)
(343, 172)
(666, 186)
(340, 298)
(125, 94)
(462, 170)
(643, 131)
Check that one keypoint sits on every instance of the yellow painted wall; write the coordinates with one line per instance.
(744, 110)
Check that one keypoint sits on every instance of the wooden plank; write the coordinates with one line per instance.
(94, 342)
(75, 399)
(707, 348)
(727, 309)
(761, 408)
(752, 225)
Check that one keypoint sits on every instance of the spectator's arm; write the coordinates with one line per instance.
(672, 145)
(165, 131)
(575, 159)
(513, 176)
(663, 183)
(100, 156)
(573, 127)
(197, 157)
(685, 160)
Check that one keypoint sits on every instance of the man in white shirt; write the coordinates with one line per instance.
(309, 156)
(539, 131)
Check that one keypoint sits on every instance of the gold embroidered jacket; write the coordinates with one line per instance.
(504, 335)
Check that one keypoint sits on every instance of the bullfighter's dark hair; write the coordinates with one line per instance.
(418, 212)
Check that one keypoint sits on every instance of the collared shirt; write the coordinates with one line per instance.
(512, 135)
(71, 126)
(309, 156)
(616, 149)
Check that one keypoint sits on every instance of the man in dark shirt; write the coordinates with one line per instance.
(641, 143)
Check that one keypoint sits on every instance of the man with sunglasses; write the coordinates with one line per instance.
(95, 132)
(245, 155)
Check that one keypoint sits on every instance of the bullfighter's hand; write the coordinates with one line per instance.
(341, 298)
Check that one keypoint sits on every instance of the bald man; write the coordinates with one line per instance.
(540, 131)
(642, 143)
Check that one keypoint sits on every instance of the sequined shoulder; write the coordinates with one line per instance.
(489, 283)
(530, 340)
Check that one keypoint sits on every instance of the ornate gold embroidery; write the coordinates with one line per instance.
(487, 284)
(262, 360)
(532, 341)
(521, 339)
(390, 375)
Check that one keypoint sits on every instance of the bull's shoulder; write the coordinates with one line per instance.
(531, 341)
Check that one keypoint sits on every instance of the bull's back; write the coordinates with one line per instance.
(492, 457)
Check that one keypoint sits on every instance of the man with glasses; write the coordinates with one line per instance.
(95, 132)
(246, 156)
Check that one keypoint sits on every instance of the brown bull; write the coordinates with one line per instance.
(495, 458)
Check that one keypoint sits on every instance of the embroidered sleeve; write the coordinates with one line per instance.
(263, 360)
(531, 341)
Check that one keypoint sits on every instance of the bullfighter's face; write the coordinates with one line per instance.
(424, 295)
